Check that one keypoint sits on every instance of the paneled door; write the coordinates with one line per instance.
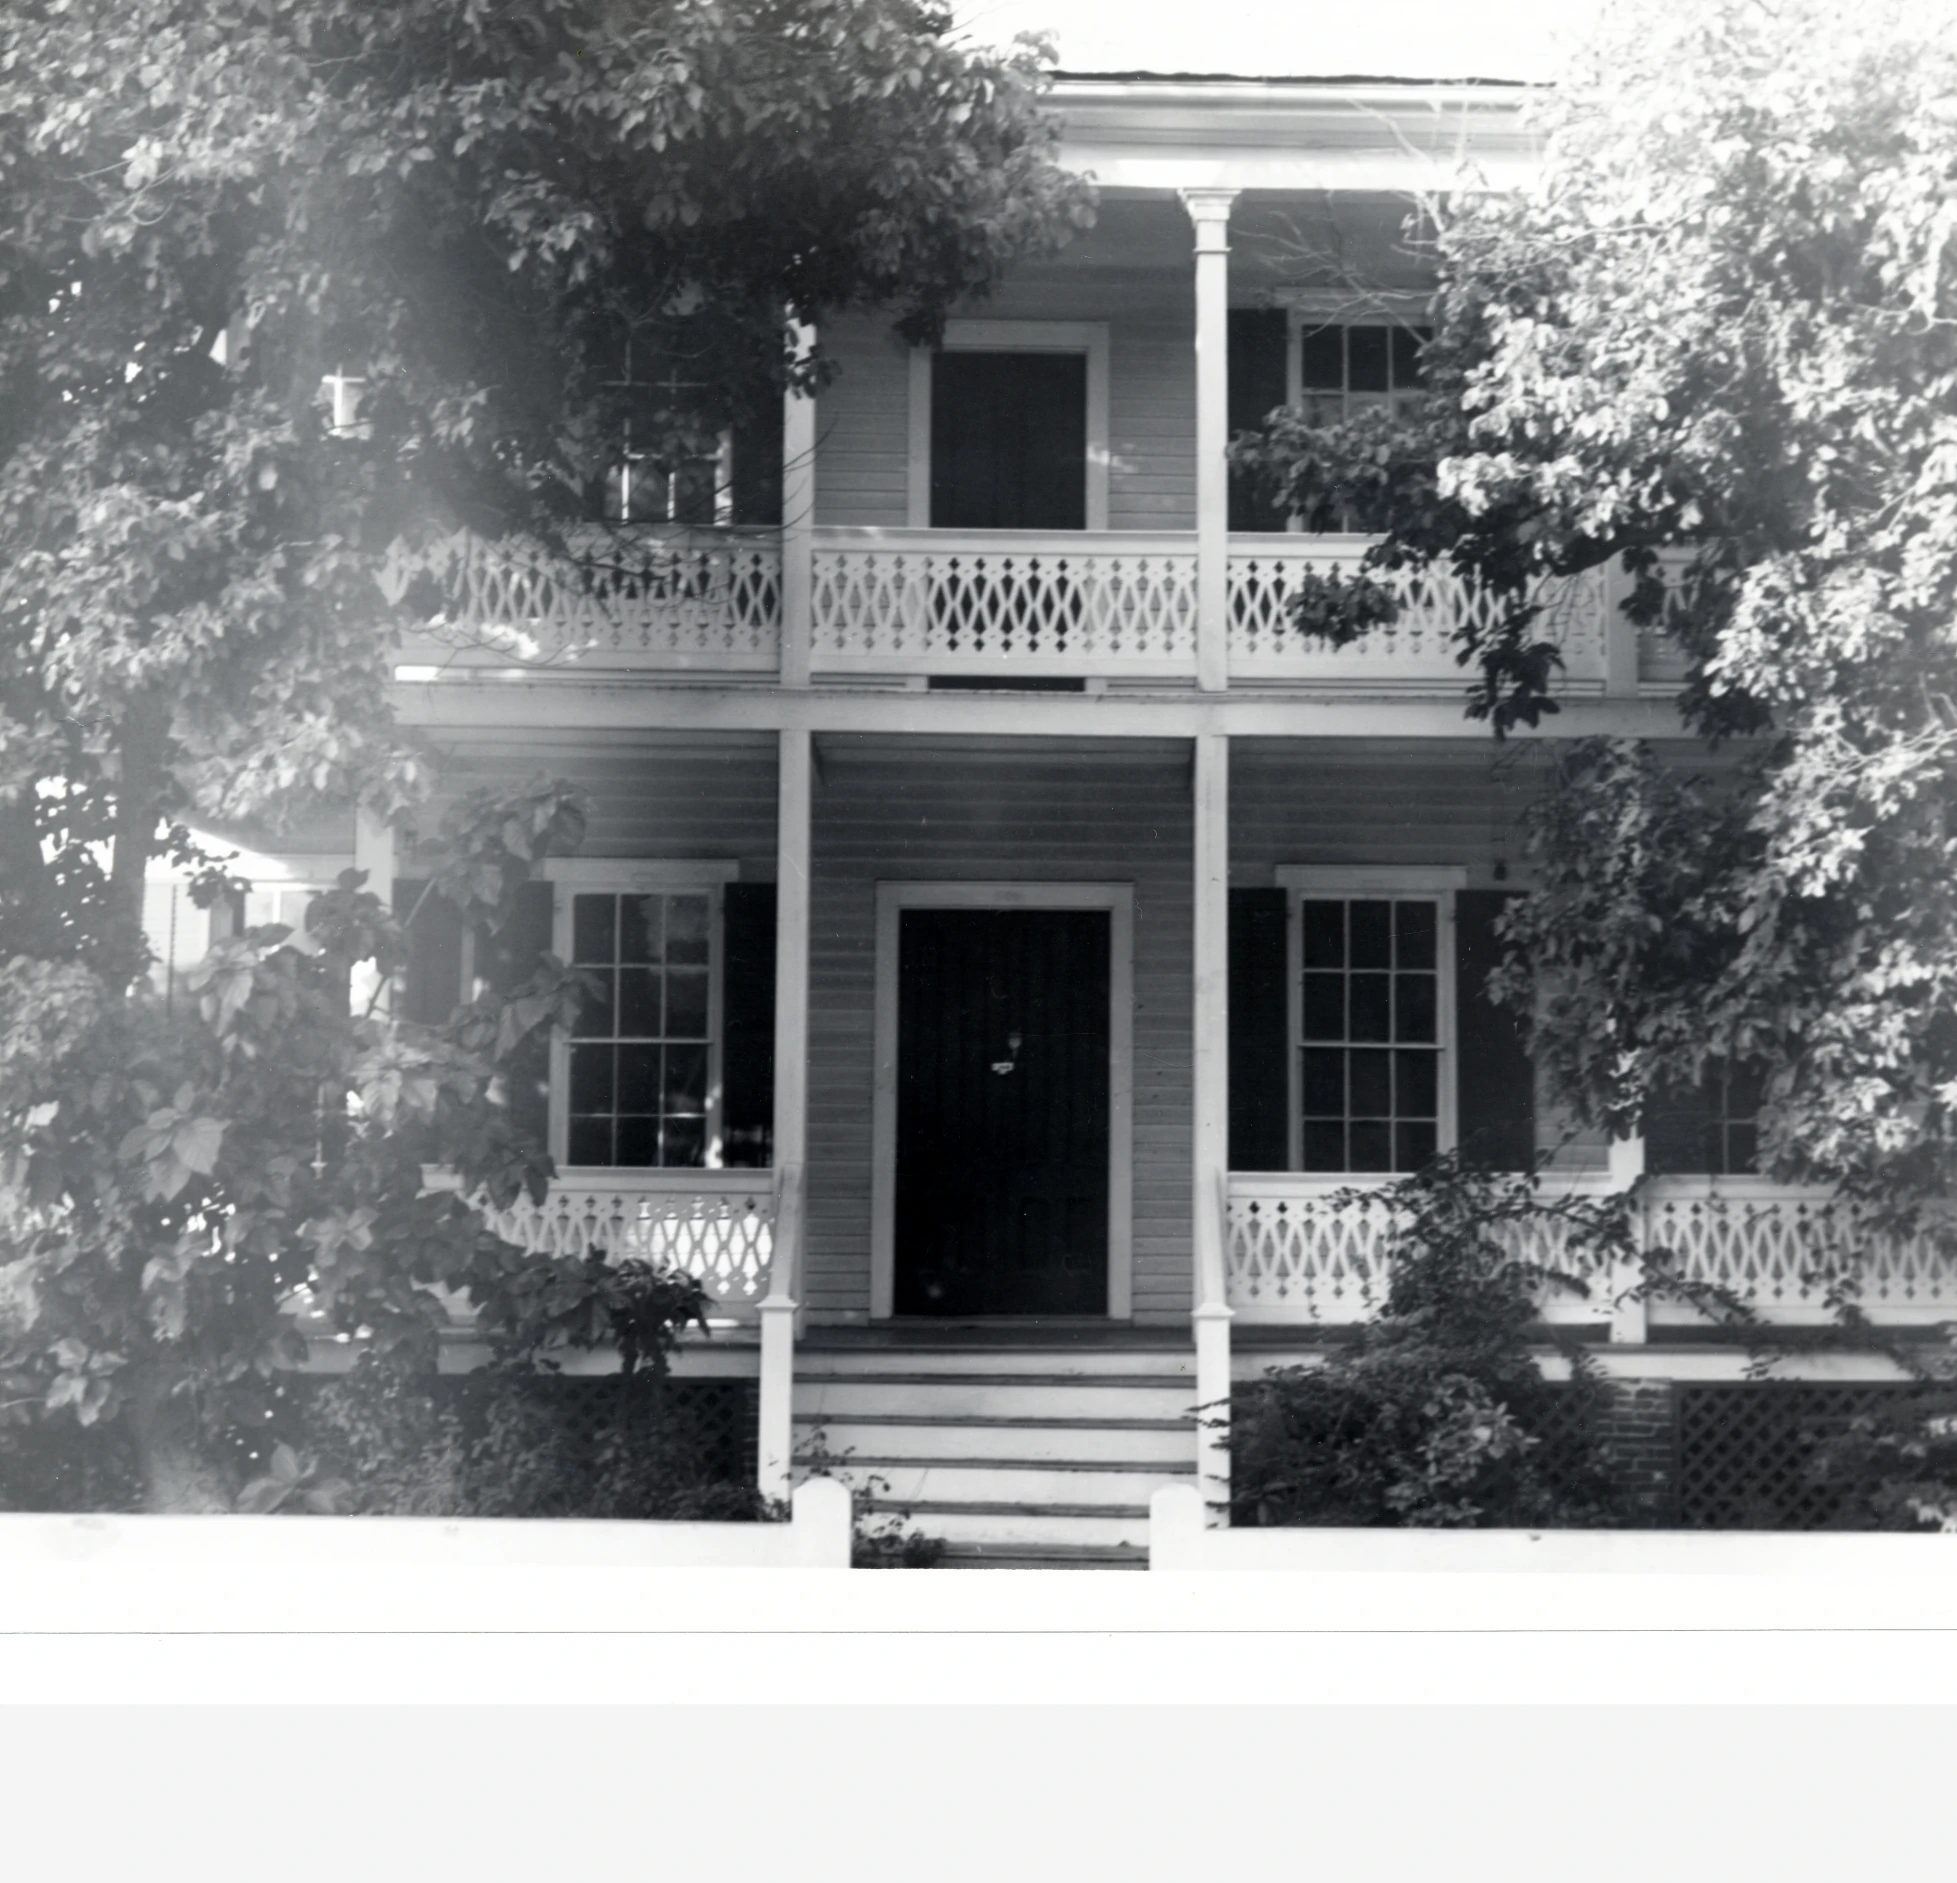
(1002, 1112)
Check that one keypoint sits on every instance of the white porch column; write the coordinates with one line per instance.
(797, 524)
(373, 851)
(1211, 1173)
(1627, 1317)
(778, 1309)
(1210, 211)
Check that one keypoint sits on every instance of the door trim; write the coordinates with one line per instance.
(1089, 337)
(1119, 900)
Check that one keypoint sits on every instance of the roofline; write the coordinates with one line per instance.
(1181, 82)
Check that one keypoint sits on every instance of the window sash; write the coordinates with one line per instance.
(658, 883)
(1306, 886)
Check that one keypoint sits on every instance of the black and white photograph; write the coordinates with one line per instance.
(800, 786)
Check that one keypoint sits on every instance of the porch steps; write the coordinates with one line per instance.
(1017, 1454)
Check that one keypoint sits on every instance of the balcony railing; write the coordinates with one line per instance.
(1297, 1250)
(941, 601)
(675, 600)
(1077, 604)
(1266, 572)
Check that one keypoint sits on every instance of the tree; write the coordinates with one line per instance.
(1721, 323)
(524, 228)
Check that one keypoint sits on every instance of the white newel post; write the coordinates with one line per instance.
(776, 1447)
(1210, 1194)
(797, 525)
(1627, 1313)
(373, 851)
(1620, 634)
(1210, 211)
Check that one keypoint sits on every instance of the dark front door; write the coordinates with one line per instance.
(1009, 441)
(1002, 1112)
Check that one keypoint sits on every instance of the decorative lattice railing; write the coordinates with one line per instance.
(1310, 1249)
(1266, 572)
(621, 598)
(950, 602)
(718, 1225)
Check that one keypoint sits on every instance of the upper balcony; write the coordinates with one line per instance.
(911, 605)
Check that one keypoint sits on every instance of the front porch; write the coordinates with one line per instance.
(1194, 864)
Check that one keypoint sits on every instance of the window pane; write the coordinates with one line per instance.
(1324, 1006)
(1372, 1146)
(1324, 1144)
(685, 1143)
(1406, 357)
(1372, 1017)
(592, 927)
(686, 1004)
(1324, 1083)
(591, 1078)
(686, 928)
(590, 1141)
(638, 1142)
(686, 1079)
(638, 928)
(638, 1078)
(1742, 1149)
(1413, 934)
(1417, 994)
(1413, 1146)
(1324, 924)
(1324, 359)
(1366, 352)
(1416, 1088)
(1372, 1085)
(597, 1010)
(638, 1003)
(1372, 928)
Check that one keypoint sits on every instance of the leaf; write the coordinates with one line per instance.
(195, 1143)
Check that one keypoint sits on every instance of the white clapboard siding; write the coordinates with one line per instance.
(863, 417)
(962, 811)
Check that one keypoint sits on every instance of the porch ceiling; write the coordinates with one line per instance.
(1281, 241)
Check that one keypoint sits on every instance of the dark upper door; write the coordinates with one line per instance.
(1002, 1112)
(1009, 441)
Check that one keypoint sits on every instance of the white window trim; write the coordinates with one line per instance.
(1119, 900)
(1440, 882)
(600, 875)
(1089, 337)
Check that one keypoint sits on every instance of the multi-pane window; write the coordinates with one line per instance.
(640, 1057)
(1711, 1129)
(1370, 1032)
(1345, 369)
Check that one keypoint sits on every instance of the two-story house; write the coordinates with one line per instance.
(1014, 931)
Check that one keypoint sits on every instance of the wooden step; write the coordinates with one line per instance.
(1042, 1556)
(1124, 1397)
(1002, 1523)
(915, 1437)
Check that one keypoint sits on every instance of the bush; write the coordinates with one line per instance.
(1437, 1414)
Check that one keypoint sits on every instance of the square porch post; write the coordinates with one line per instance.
(1210, 1189)
(373, 851)
(797, 525)
(775, 1451)
(1209, 210)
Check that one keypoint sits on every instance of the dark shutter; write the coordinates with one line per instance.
(429, 989)
(1260, 1083)
(1496, 1084)
(506, 960)
(1259, 383)
(747, 1049)
(756, 471)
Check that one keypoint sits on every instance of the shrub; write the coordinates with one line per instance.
(1437, 1414)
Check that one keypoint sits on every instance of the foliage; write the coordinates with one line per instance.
(1438, 1415)
(528, 231)
(1723, 323)
(876, 1542)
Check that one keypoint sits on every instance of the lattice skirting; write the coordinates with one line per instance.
(1741, 1451)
